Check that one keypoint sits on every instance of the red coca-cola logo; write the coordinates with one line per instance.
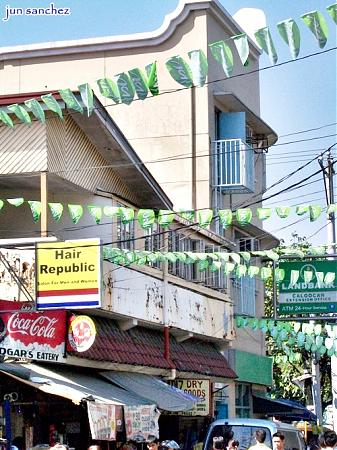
(42, 326)
(34, 327)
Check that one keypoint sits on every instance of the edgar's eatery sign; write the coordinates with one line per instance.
(69, 274)
(33, 335)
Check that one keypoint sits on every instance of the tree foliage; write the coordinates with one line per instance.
(290, 361)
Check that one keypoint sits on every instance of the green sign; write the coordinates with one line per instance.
(308, 287)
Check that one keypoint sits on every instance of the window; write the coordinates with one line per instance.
(215, 280)
(154, 242)
(242, 400)
(125, 233)
(243, 293)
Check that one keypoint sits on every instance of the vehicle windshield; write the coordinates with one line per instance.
(244, 434)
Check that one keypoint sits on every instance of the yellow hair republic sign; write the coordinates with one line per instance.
(68, 274)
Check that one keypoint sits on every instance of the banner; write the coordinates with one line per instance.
(102, 420)
(141, 421)
(69, 274)
(33, 335)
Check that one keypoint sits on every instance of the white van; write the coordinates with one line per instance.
(244, 432)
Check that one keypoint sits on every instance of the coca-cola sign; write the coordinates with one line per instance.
(33, 335)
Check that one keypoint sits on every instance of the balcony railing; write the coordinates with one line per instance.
(233, 166)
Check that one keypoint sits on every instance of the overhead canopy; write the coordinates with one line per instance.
(231, 101)
(156, 391)
(71, 384)
(288, 410)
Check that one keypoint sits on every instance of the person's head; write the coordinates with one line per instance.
(218, 443)
(233, 445)
(327, 439)
(278, 441)
(18, 441)
(260, 436)
(152, 444)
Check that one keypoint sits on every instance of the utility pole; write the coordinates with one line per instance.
(328, 174)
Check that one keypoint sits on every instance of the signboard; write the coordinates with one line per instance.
(102, 420)
(33, 335)
(141, 421)
(81, 333)
(69, 274)
(198, 388)
(22, 264)
(306, 288)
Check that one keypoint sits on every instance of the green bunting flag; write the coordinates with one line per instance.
(302, 209)
(180, 71)
(35, 107)
(35, 207)
(75, 212)
(263, 213)
(4, 117)
(96, 213)
(332, 11)
(108, 88)
(1, 204)
(70, 100)
(87, 96)
(127, 215)
(282, 211)
(56, 210)
(165, 217)
(111, 211)
(16, 201)
(314, 212)
(253, 271)
(228, 268)
(142, 83)
(205, 217)
(316, 23)
(20, 113)
(223, 55)
(225, 217)
(187, 214)
(146, 218)
(265, 273)
(125, 87)
(290, 33)
(244, 216)
(52, 104)
(241, 270)
(198, 66)
(242, 47)
(265, 41)
(152, 78)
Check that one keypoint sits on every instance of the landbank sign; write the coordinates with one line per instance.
(308, 287)
(69, 274)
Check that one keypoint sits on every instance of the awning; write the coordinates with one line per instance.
(231, 101)
(287, 410)
(71, 384)
(156, 391)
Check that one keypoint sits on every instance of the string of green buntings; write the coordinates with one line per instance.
(124, 87)
(292, 336)
(148, 217)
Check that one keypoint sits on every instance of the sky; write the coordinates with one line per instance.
(295, 97)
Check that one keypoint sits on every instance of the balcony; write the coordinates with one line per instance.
(233, 166)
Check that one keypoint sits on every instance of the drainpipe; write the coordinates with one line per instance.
(167, 353)
(193, 150)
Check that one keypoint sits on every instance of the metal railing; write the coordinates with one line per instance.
(233, 166)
